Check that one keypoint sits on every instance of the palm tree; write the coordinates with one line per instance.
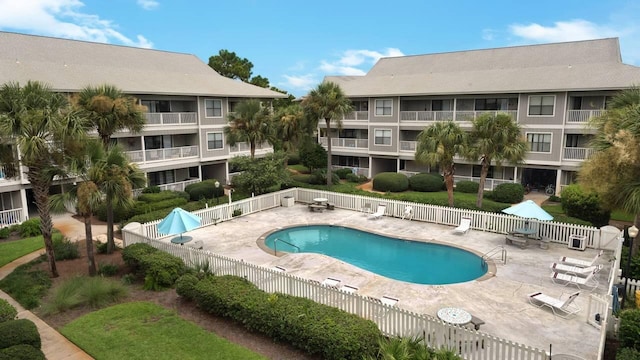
(289, 122)
(437, 145)
(327, 102)
(614, 168)
(109, 110)
(251, 122)
(495, 138)
(36, 120)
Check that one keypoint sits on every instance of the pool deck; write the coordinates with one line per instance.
(501, 300)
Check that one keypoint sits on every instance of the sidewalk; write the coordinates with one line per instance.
(54, 345)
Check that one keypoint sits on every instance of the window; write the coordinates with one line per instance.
(156, 106)
(213, 108)
(360, 105)
(214, 141)
(350, 161)
(382, 137)
(436, 105)
(572, 140)
(541, 105)
(477, 169)
(232, 105)
(347, 133)
(539, 142)
(384, 107)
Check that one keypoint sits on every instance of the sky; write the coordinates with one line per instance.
(296, 43)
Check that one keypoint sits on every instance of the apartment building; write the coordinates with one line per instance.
(187, 101)
(551, 90)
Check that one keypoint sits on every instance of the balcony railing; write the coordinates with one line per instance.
(582, 116)
(162, 154)
(176, 186)
(408, 145)
(489, 184)
(346, 142)
(177, 118)
(426, 115)
(472, 115)
(577, 153)
(356, 115)
(354, 169)
(10, 217)
(245, 147)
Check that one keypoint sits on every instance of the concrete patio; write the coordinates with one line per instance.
(500, 300)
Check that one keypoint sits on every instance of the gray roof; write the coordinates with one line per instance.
(70, 65)
(570, 66)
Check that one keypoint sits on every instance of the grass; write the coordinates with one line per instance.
(12, 250)
(621, 215)
(144, 330)
(79, 291)
(299, 168)
(26, 285)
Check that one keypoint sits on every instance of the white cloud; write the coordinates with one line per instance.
(335, 69)
(488, 34)
(356, 62)
(148, 4)
(301, 82)
(62, 18)
(571, 30)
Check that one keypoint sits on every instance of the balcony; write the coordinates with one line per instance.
(489, 184)
(169, 118)
(408, 145)
(346, 143)
(139, 156)
(426, 115)
(357, 116)
(354, 169)
(577, 153)
(176, 186)
(244, 147)
(582, 116)
(472, 115)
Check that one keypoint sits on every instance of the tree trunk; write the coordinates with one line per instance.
(329, 174)
(110, 243)
(484, 170)
(89, 243)
(252, 149)
(448, 181)
(41, 194)
(636, 241)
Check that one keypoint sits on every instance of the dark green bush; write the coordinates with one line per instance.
(107, 269)
(120, 213)
(509, 193)
(627, 354)
(161, 270)
(186, 285)
(343, 172)
(319, 177)
(101, 248)
(293, 159)
(147, 207)
(629, 328)
(5, 232)
(30, 228)
(390, 181)
(584, 205)
(426, 182)
(204, 190)
(303, 178)
(132, 255)
(63, 248)
(21, 352)
(318, 329)
(236, 212)
(469, 187)
(356, 178)
(151, 190)
(7, 311)
(313, 156)
(156, 197)
(16, 332)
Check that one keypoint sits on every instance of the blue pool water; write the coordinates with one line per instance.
(411, 261)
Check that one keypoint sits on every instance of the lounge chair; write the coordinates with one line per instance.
(408, 213)
(566, 279)
(465, 225)
(349, 289)
(575, 270)
(563, 308)
(380, 311)
(367, 208)
(379, 213)
(580, 262)
(331, 282)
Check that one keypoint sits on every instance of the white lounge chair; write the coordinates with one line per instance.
(349, 289)
(575, 270)
(379, 213)
(566, 279)
(465, 225)
(408, 213)
(580, 262)
(563, 308)
(379, 311)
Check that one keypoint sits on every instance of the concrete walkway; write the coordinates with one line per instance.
(54, 345)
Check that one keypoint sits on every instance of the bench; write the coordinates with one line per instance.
(521, 241)
(330, 206)
(476, 322)
(316, 207)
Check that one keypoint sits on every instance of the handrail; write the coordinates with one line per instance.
(275, 245)
(490, 253)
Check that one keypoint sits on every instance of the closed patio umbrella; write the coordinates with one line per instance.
(178, 221)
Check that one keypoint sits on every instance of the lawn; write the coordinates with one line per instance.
(11, 250)
(142, 330)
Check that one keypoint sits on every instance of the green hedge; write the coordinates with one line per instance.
(343, 172)
(584, 205)
(132, 256)
(159, 269)
(629, 329)
(204, 190)
(360, 179)
(7, 311)
(390, 181)
(16, 332)
(147, 207)
(508, 193)
(468, 187)
(30, 228)
(155, 197)
(318, 329)
(426, 182)
(627, 354)
(120, 213)
(63, 248)
(21, 352)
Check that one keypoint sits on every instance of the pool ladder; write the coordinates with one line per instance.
(275, 245)
(498, 249)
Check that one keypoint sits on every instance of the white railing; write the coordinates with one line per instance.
(346, 142)
(472, 115)
(176, 186)
(136, 156)
(582, 116)
(177, 118)
(170, 153)
(489, 183)
(358, 170)
(426, 115)
(246, 147)
(577, 153)
(10, 217)
(408, 145)
(356, 115)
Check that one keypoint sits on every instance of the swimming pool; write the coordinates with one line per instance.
(411, 261)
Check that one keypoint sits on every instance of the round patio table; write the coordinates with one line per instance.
(181, 239)
(454, 316)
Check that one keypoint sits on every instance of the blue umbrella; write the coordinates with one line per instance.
(529, 210)
(178, 221)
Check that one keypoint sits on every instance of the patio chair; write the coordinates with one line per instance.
(367, 208)
(580, 262)
(408, 213)
(566, 279)
(563, 308)
(349, 289)
(381, 311)
(575, 270)
(198, 244)
(379, 213)
(465, 225)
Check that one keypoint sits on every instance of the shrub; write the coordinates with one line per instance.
(152, 216)
(426, 182)
(5, 232)
(629, 328)
(161, 270)
(390, 181)
(203, 190)
(107, 269)
(319, 177)
(584, 205)
(132, 256)
(343, 172)
(293, 159)
(151, 190)
(313, 156)
(82, 290)
(30, 228)
(627, 354)
(356, 178)
(101, 248)
(236, 212)
(510, 193)
(186, 285)
(303, 178)
(120, 213)
(468, 187)
(21, 352)
(147, 207)
(63, 248)
(155, 197)
(7, 311)
(16, 332)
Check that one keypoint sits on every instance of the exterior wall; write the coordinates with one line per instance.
(392, 148)
(217, 153)
(556, 119)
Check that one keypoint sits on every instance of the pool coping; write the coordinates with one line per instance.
(491, 265)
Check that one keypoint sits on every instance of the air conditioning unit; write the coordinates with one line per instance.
(577, 242)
